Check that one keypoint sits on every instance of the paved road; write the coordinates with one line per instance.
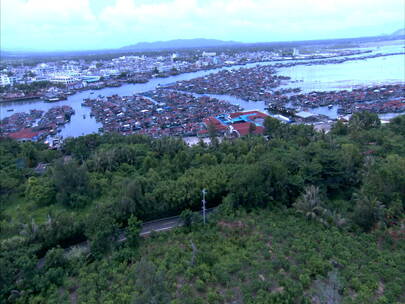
(155, 226)
(160, 225)
(147, 228)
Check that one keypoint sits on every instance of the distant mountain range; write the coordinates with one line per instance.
(200, 43)
(205, 43)
(400, 32)
(179, 44)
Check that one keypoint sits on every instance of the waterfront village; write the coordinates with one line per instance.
(261, 83)
(55, 80)
(166, 112)
(36, 125)
(184, 108)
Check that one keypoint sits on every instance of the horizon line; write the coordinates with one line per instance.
(231, 43)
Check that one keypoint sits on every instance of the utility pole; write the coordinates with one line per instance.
(204, 192)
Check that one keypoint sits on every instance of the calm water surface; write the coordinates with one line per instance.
(347, 75)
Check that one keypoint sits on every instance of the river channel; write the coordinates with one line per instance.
(320, 77)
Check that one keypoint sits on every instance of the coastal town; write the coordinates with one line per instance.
(55, 80)
(186, 107)
(166, 112)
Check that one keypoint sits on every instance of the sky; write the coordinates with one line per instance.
(104, 24)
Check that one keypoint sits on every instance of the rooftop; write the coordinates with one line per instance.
(239, 122)
(304, 114)
(24, 134)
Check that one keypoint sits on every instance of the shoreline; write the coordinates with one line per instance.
(313, 60)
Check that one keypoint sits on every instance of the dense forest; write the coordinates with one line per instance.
(301, 217)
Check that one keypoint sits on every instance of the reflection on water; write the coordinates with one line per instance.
(324, 77)
(347, 75)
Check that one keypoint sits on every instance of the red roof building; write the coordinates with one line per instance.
(24, 135)
(236, 124)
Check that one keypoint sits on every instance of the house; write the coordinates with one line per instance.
(5, 80)
(306, 116)
(236, 124)
(25, 135)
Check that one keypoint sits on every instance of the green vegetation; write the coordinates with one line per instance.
(31, 88)
(303, 217)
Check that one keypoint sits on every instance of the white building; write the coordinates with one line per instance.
(43, 69)
(5, 80)
(64, 79)
(209, 54)
(162, 68)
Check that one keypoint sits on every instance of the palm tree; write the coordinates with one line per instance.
(369, 211)
(310, 204)
(29, 230)
(337, 219)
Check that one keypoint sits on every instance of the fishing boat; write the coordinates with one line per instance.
(54, 98)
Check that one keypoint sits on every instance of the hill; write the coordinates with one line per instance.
(400, 32)
(258, 258)
(179, 44)
(301, 215)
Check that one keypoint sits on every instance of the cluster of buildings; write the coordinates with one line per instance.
(81, 71)
(256, 83)
(7, 80)
(70, 76)
(235, 124)
(35, 125)
(378, 99)
(163, 113)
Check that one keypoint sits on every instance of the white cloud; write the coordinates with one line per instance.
(69, 23)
